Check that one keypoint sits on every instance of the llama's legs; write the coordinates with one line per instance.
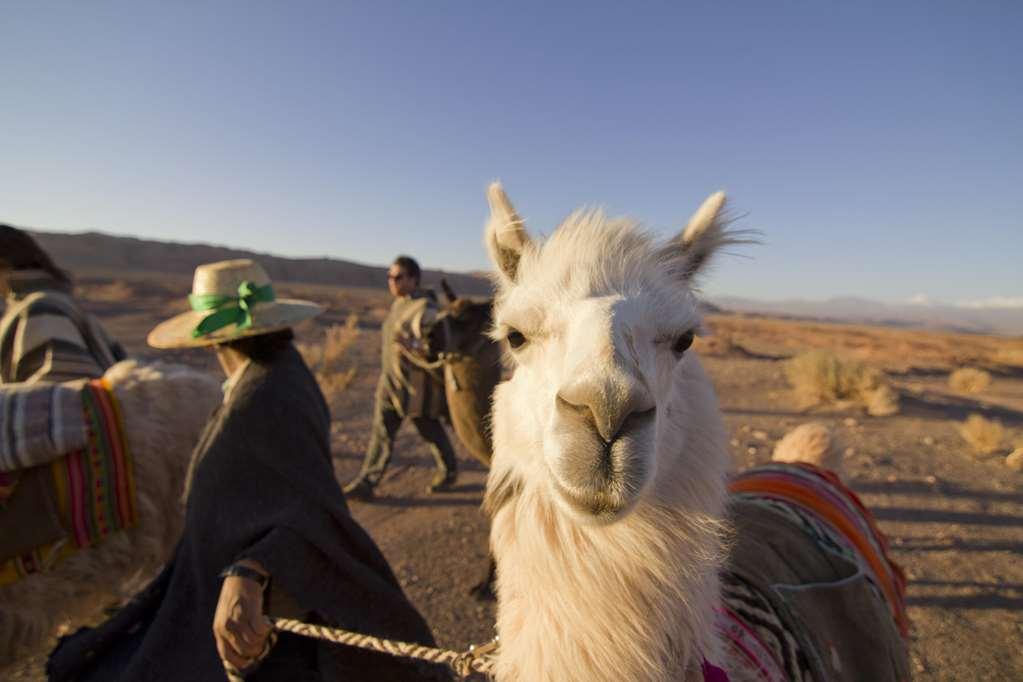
(484, 590)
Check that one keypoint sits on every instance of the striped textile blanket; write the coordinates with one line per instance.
(92, 489)
(811, 592)
(39, 423)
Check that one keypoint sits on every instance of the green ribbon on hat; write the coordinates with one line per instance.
(229, 309)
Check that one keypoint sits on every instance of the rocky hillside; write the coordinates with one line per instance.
(95, 251)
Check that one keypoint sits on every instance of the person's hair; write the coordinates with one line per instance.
(410, 266)
(20, 252)
(262, 348)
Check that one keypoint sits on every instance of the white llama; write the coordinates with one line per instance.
(608, 486)
(164, 408)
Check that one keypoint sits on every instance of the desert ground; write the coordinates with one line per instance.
(954, 518)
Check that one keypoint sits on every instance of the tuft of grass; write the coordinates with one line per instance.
(985, 436)
(327, 360)
(882, 401)
(812, 443)
(969, 380)
(111, 292)
(821, 377)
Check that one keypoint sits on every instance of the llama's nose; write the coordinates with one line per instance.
(604, 406)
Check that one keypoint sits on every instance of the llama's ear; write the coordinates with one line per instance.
(449, 293)
(705, 234)
(506, 235)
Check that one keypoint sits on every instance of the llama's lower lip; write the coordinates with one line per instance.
(600, 505)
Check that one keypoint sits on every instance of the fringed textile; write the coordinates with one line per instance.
(94, 486)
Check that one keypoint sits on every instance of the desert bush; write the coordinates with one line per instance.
(812, 443)
(109, 292)
(984, 435)
(969, 380)
(882, 401)
(719, 344)
(820, 377)
(327, 359)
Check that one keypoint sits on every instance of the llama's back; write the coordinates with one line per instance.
(163, 408)
(810, 592)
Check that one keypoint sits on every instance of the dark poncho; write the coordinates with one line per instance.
(264, 489)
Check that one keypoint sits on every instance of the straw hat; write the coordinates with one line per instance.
(230, 300)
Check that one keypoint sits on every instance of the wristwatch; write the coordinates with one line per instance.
(245, 572)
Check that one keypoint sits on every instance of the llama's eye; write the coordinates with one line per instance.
(683, 342)
(516, 339)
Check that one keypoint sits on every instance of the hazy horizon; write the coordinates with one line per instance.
(994, 303)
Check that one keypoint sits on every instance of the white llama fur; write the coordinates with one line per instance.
(607, 554)
(164, 408)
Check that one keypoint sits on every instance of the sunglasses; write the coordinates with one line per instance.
(395, 278)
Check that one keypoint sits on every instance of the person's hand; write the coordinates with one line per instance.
(407, 342)
(239, 628)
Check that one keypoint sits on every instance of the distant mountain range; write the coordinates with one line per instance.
(99, 252)
(1005, 320)
(96, 251)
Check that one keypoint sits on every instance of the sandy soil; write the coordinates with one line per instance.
(955, 521)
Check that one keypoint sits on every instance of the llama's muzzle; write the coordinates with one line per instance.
(598, 478)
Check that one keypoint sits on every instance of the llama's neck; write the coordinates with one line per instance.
(630, 601)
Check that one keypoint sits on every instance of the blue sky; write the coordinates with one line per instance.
(878, 146)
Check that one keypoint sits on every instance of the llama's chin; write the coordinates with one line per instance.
(598, 507)
(606, 502)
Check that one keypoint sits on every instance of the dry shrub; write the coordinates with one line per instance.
(811, 443)
(327, 359)
(984, 435)
(821, 377)
(969, 380)
(720, 344)
(111, 292)
(882, 401)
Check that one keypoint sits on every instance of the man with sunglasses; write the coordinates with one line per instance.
(404, 390)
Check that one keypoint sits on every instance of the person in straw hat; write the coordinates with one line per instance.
(267, 529)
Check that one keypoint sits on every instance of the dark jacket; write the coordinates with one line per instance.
(264, 489)
(403, 387)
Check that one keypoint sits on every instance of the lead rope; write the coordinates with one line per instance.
(477, 659)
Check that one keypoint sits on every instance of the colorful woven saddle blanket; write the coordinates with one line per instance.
(40, 422)
(810, 592)
(61, 501)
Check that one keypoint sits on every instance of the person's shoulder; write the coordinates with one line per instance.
(46, 302)
(285, 383)
(43, 317)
